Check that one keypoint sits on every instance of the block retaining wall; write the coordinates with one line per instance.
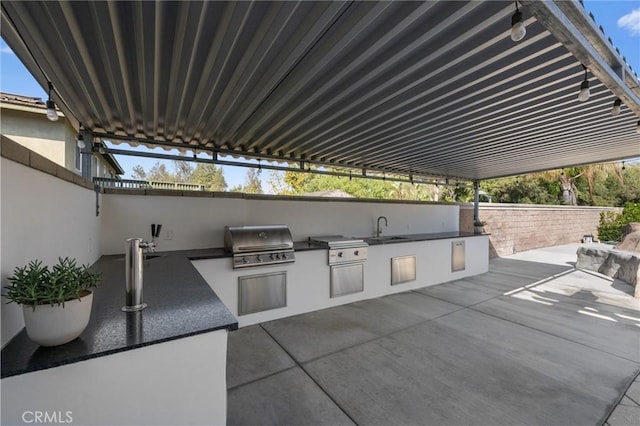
(520, 227)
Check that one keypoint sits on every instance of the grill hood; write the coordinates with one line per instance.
(257, 245)
(257, 238)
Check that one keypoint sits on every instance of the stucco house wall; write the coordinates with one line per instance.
(51, 139)
(23, 120)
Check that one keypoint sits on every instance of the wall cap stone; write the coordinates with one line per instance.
(269, 197)
(541, 207)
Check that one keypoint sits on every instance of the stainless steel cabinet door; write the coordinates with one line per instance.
(403, 269)
(457, 256)
(257, 293)
(347, 279)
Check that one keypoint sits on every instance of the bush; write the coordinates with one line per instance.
(611, 223)
(631, 212)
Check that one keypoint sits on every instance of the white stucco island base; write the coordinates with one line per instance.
(182, 381)
(307, 280)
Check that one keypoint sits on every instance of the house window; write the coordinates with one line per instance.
(78, 158)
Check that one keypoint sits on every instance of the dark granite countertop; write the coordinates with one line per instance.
(409, 238)
(180, 304)
(392, 239)
(198, 254)
(216, 253)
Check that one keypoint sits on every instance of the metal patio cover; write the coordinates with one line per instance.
(432, 88)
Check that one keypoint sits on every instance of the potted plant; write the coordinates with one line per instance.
(56, 303)
(478, 227)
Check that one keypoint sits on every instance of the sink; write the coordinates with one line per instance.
(386, 238)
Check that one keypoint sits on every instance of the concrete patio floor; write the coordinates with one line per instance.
(533, 341)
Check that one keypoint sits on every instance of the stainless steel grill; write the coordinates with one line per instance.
(255, 245)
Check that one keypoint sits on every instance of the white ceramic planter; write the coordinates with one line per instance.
(56, 325)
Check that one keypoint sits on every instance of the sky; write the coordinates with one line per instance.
(619, 18)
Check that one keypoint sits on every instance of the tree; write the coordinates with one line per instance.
(527, 189)
(138, 172)
(277, 184)
(210, 176)
(160, 173)
(596, 184)
(253, 184)
(298, 183)
(569, 188)
(183, 171)
(594, 173)
(629, 192)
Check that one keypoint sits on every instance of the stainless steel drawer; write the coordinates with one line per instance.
(257, 293)
(403, 269)
(347, 279)
(457, 256)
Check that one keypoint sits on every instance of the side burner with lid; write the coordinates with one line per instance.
(343, 249)
(346, 263)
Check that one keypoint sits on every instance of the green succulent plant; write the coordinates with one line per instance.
(35, 284)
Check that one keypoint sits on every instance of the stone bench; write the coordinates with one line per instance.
(618, 264)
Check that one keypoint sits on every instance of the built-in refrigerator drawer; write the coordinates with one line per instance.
(257, 293)
(347, 279)
(457, 256)
(403, 269)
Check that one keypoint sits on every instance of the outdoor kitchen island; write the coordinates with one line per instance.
(165, 364)
(306, 285)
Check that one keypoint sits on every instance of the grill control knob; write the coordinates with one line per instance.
(259, 258)
(284, 255)
(339, 254)
(356, 253)
(245, 260)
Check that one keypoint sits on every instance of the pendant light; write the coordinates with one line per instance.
(80, 138)
(584, 88)
(51, 106)
(518, 30)
(616, 106)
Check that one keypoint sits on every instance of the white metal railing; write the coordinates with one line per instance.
(143, 184)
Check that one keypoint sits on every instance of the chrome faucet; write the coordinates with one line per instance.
(148, 246)
(378, 227)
